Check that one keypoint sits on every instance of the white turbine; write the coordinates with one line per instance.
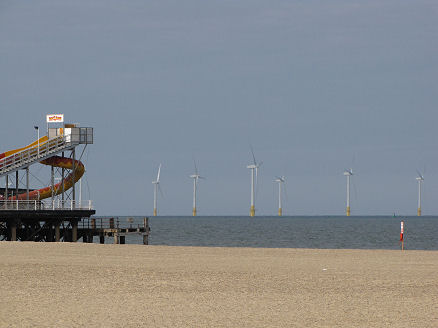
(195, 178)
(254, 173)
(156, 184)
(420, 180)
(280, 181)
(348, 174)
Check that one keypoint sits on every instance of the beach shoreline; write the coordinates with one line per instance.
(76, 284)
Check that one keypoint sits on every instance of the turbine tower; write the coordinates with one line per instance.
(420, 180)
(254, 171)
(348, 174)
(156, 184)
(195, 178)
(279, 180)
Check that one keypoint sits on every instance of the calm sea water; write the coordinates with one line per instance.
(364, 232)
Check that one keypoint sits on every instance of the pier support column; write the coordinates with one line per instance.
(116, 238)
(49, 232)
(74, 230)
(13, 230)
(146, 227)
(57, 232)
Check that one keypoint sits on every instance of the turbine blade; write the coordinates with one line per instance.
(253, 156)
(354, 189)
(196, 168)
(161, 192)
(285, 191)
(158, 175)
(256, 182)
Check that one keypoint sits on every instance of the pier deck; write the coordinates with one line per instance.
(69, 222)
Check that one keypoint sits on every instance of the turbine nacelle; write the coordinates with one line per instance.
(348, 172)
(196, 176)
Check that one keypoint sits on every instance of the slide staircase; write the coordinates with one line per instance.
(37, 151)
(42, 151)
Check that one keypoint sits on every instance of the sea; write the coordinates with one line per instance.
(326, 232)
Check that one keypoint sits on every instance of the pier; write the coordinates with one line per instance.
(42, 221)
(67, 221)
(54, 213)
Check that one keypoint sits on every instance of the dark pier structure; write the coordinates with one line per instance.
(42, 224)
(66, 226)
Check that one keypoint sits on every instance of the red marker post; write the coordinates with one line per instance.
(401, 233)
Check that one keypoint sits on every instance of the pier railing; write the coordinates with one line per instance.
(37, 205)
(111, 223)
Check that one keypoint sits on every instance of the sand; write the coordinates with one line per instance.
(76, 285)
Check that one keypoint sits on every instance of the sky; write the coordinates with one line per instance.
(315, 87)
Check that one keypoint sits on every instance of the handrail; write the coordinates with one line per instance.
(34, 154)
(45, 205)
(112, 223)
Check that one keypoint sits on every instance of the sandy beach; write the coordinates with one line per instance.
(75, 285)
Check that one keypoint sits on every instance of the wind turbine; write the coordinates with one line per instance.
(195, 178)
(254, 172)
(279, 180)
(156, 184)
(348, 174)
(420, 180)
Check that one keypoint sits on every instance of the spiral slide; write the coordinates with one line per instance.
(57, 161)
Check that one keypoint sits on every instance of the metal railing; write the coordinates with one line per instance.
(34, 205)
(114, 223)
(100, 223)
(34, 154)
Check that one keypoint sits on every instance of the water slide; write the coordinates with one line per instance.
(56, 161)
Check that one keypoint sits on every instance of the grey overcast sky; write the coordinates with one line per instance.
(314, 86)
